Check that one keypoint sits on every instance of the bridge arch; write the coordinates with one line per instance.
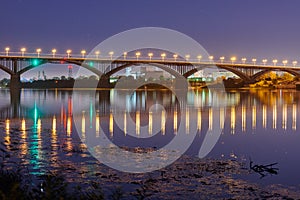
(161, 66)
(10, 72)
(80, 64)
(239, 73)
(254, 77)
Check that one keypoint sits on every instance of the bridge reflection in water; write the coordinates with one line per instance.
(145, 113)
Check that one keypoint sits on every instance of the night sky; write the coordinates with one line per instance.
(251, 28)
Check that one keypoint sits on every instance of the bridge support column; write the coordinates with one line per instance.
(15, 82)
(104, 82)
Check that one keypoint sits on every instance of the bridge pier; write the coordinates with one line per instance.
(104, 82)
(15, 82)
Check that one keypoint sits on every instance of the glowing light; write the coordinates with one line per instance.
(7, 50)
(23, 51)
(69, 51)
(54, 124)
(243, 118)
(53, 53)
(175, 56)
(187, 120)
(254, 61)
(137, 122)
(23, 125)
(211, 58)
(163, 122)
(199, 120)
(210, 121)
(175, 122)
(137, 54)
(97, 126)
(284, 116)
(7, 136)
(163, 55)
(83, 52)
(253, 117)
(35, 62)
(69, 126)
(264, 61)
(222, 58)
(111, 124)
(125, 123)
(275, 62)
(285, 62)
(38, 51)
(97, 54)
(39, 126)
(187, 57)
(274, 116)
(244, 60)
(294, 63)
(222, 118)
(111, 53)
(124, 55)
(150, 55)
(232, 120)
(264, 116)
(150, 123)
(294, 123)
(233, 59)
(199, 57)
(83, 124)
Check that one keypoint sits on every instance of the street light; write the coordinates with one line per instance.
(83, 52)
(7, 50)
(23, 51)
(199, 57)
(211, 58)
(187, 57)
(284, 62)
(244, 60)
(264, 61)
(222, 58)
(163, 55)
(137, 54)
(275, 62)
(150, 55)
(53, 52)
(69, 52)
(294, 63)
(38, 52)
(254, 61)
(97, 54)
(111, 53)
(175, 56)
(233, 59)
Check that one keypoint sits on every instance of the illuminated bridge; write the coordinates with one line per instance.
(15, 64)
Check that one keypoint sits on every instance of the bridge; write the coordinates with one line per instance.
(104, 67)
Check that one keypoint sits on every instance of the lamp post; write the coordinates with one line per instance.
(175, 56)
(7, 50)
(53, 53)
(38, 51)
(97, 54)
(137, 54)
(233, 59)
(244, 60)
(211, 58)
(264, 61)
(23, 51)
(111, 53)
(150, 55)
(83, 52)
(69, 52)
(124, 55)
(187, 57)
(222, 58)
(284, 62)
(295, 63)
(163, 55)
(275, 62)
(254, 61)
(199, 57)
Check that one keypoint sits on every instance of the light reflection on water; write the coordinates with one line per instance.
(39, 132)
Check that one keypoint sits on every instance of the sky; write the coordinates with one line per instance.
(249, 28)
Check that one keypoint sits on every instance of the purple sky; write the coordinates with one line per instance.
(250, 28)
